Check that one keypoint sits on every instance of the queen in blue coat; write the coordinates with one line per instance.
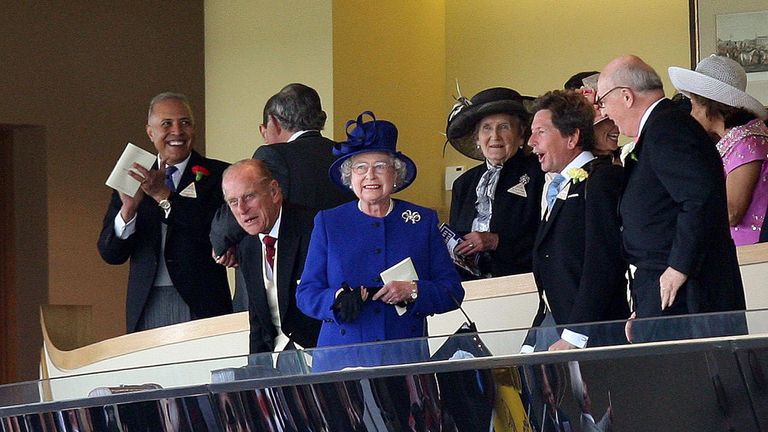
(353, 243)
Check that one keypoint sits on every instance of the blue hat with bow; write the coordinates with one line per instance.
(370, 136)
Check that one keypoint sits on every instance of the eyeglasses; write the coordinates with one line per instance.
(600, 101)
(363, 167)
(247, 198)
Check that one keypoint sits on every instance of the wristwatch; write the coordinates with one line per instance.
(165, 204)
(414, 292)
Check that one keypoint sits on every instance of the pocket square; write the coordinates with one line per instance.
(572, 196)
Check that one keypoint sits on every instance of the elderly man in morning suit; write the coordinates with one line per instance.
(271, 256)
(163, 230)
(674, 207)
(297, 155)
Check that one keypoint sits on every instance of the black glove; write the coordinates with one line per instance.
(348, 303)
(225, 231)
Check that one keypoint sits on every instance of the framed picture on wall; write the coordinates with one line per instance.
(737, 29)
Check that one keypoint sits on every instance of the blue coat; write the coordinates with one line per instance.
(350, 246)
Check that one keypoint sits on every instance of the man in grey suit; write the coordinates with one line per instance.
(298, 157)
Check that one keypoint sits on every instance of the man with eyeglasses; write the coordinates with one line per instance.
(674, 213)
(271, 256)
(297, 155)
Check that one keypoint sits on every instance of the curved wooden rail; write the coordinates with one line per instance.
(178, 333)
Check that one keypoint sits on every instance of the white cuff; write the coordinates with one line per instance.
(123, 229)
(526, 349)
(576, 339)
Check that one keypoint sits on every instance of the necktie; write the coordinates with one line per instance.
(554, 188)
(269, 246)
(169, 177)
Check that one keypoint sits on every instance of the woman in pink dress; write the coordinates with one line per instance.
(719, 102)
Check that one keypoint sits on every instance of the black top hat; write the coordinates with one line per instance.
(467, 112)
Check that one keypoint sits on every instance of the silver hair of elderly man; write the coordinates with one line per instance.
(400, 170)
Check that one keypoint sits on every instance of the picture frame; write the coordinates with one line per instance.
(737, 29)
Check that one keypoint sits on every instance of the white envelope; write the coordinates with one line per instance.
(119, 178)
(402, 271)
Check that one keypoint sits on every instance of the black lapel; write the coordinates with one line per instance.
(630, 162)
(287, 255)
(257, 280)
(187, 177)
(547, 223)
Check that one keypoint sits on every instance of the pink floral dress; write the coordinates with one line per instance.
(741, 145)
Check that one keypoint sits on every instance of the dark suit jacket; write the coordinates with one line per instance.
(514, 218)
(200, 281)
(293, 239)
(301, 169)
(675, 214)
(577, 258)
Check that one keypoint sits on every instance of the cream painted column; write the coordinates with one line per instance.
(252, 49)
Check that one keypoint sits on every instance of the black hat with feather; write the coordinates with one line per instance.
(466, 113)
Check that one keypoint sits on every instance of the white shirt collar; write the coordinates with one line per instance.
(298, 134)
(577, 162)
(275, 228)
(645, 116)
(180, 167)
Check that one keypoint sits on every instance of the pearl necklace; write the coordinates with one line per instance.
(389, 210)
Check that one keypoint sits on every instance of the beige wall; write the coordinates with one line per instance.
(536, 45)
(84, 72)
(389, 57)
(252, 49)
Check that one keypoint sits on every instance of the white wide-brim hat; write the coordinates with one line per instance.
(720, 79)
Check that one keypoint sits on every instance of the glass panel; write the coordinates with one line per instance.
(380, 358)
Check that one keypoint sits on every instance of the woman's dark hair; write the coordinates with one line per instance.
(732, 116)
(577, 81)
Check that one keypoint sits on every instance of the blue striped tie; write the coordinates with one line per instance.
(553, 190)
(169, 177)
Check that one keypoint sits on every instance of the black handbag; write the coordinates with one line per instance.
(464, 339)
(466, 396)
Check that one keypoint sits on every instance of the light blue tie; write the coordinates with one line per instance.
(554, 188)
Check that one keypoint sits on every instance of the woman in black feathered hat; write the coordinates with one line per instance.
(496, 205)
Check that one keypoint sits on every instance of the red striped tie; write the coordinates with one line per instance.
(269, 246)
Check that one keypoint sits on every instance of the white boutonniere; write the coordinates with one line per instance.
(411, 216)
(577, 175)
(626, 151)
